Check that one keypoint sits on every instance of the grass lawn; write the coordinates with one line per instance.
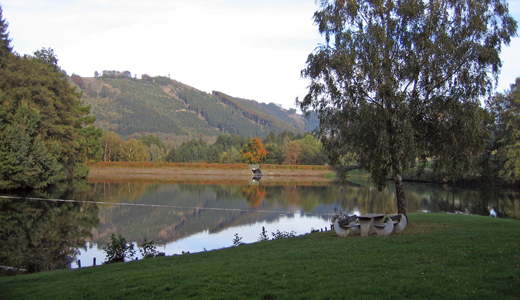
(439, 256)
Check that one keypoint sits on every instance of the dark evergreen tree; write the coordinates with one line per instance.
(43, 124)
(47, 56)
(5, 41)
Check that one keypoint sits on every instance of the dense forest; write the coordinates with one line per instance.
(176, 112)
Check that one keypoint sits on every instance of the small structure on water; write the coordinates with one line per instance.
(257, 172)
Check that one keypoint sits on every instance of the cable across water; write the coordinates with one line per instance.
(165, 206)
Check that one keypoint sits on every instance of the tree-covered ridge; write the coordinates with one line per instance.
(289, 116)
(267, 121)
(129, 106)
(163, 106)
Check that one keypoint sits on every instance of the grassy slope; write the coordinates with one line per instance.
(439, 256)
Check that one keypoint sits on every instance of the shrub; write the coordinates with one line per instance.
(263, 235)
(237, 241)
(283, 234)
(147, 249)
(118, 250)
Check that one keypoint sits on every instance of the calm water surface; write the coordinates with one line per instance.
(203, 215)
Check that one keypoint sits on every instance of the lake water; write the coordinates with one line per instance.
(41, 229)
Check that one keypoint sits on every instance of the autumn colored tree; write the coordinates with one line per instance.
(78, 80)
(254, 151)
(146, 77)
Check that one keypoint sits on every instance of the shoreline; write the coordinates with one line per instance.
(167, 173)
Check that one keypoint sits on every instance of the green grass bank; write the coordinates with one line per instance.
(439, 256)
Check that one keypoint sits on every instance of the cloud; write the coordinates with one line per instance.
(242, 48)
(246, 48)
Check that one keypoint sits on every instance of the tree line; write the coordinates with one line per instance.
(282, 148)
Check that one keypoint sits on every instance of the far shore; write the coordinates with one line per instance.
(208, 172)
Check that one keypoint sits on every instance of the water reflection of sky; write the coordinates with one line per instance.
(301, 224)
(193, 217)
(249, 233)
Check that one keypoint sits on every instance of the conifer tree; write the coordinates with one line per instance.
(44, 127)
(5, 41)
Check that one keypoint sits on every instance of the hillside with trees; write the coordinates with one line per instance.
(177, 112)
(289, 116)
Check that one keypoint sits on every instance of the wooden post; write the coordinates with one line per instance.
(79, 263)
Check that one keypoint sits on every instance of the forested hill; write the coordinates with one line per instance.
(169, 108)
(290, 116)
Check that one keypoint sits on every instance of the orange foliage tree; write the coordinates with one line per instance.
(254, 151)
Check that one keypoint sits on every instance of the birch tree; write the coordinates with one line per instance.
(400, 81)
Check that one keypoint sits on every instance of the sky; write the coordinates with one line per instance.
(244, 48)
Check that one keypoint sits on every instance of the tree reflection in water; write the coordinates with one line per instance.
(213, 206)
(38, 235)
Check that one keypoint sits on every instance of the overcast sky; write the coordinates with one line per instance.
(245, 48)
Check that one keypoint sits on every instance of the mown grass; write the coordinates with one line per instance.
(439, 256)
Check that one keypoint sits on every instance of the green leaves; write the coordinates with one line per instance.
(44, 131)
(506, 109)
(26, 160)
(400, 83)
(118, 250)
